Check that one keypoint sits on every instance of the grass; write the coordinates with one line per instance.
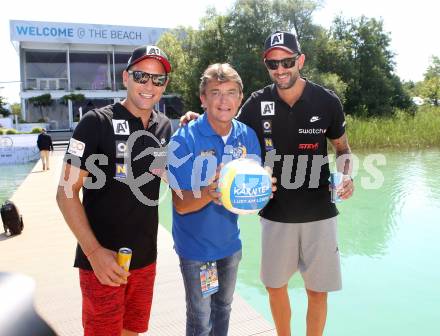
(400, 131)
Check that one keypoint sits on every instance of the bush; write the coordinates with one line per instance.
(36, 130)
(2, 131)
(41, 120)
(11, 131)
(402, 130)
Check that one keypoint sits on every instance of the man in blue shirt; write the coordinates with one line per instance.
(206, 235)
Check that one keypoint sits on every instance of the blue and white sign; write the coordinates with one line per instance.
(58, 32)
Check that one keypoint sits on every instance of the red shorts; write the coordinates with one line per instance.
(107, 310)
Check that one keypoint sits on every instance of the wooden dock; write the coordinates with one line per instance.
(45, 251)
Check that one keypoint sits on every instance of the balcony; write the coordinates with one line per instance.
(46, 84)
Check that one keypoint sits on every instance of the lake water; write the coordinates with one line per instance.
(11, 177)
(389, 242)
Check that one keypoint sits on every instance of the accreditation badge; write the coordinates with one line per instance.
(209, 278)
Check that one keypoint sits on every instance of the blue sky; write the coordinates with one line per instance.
(412, 25)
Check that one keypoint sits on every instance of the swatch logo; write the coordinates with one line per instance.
(312, 131)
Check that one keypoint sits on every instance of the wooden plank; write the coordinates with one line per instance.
(45, 251)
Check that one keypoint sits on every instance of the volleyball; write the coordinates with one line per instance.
(245, 186)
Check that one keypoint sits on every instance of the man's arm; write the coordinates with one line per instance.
(189, 203)
(39, 141)
(50, 143)
(185, 201)
(344, 164)
(102, 260)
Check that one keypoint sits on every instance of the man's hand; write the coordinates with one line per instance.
(274, 180)
(187, 117)
(347, 188)
(106, 268)
(187, 201)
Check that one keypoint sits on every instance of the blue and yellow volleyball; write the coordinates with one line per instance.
(245, 186)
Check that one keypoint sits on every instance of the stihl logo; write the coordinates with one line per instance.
(314, 146)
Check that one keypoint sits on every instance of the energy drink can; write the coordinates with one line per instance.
(335, 184)
(124, 258)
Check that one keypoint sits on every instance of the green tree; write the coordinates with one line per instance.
(74, 97)
(359, 52)
(16, 109)
(236, 37)
(430, 87)
(181, 47)
(297, 15)
(410, 88)
(431, 90)
(41, 102)
(330, 81)
(434, 68)
(249, 23)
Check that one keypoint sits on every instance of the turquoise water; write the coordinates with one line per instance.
(11, 177)
(389, 243)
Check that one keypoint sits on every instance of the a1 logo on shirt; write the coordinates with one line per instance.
(120, 127)
(267, 108)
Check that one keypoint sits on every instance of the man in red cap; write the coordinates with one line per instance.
(119, 207)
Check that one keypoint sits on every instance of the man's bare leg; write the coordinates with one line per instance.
(316, 312)
(280, 307)
(128, 333)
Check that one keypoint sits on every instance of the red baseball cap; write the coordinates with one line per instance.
(149, 51)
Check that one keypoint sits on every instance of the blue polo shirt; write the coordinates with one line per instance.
(195, 151)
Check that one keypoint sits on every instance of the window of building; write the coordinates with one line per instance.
(90, 71)
(45, 70)
(121, 60)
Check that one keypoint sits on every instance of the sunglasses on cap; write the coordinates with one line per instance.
(142, 77)
(286, 63)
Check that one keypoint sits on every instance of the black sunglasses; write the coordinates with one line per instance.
(286, 63)
(142, 77)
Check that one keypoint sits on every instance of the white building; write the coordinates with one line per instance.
(64, 58)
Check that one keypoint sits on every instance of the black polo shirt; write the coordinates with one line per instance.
(298, 134)
(120, 215)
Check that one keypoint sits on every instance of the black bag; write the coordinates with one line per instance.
(12, 220)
